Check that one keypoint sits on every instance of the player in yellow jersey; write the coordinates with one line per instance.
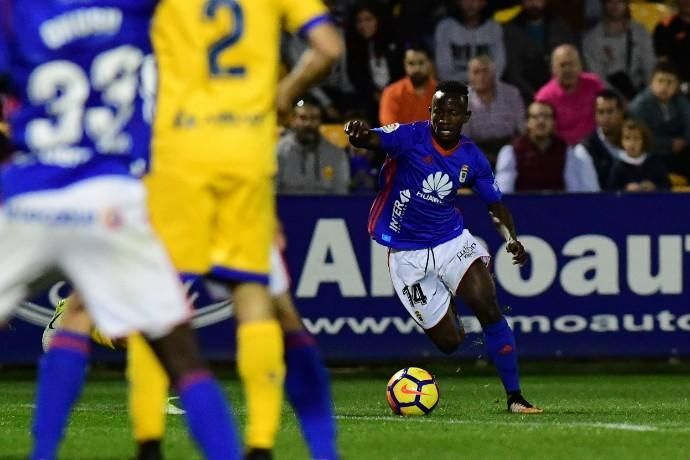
(213, 161)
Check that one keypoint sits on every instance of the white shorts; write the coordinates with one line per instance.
(279, 279)
(95, 232)
(426, 279)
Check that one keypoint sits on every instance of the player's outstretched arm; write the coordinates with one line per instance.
(325, 48)
(360, 135)
(503, 220)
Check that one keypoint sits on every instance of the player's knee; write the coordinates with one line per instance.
(290, 320)
(178, 352)
(449, 345)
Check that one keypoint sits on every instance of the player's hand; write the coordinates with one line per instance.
(518, 251)
(356, 130)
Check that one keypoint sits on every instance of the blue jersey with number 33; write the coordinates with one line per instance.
(415, 208)
(79, 70)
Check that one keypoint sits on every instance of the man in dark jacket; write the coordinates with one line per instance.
(603, 145)
(529, 40)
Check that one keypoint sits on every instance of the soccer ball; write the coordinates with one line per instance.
(412, 391)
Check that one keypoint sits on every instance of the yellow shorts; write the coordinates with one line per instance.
(212, 223)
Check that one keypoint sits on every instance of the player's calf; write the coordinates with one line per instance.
(206, 408)
(447, 335)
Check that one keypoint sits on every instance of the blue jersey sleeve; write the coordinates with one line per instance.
(483, 183)
(395, 138)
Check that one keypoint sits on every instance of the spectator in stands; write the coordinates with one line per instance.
(636, 170)
(307, 163)
(409, 98)
(374, 57)
(335, 93)
(498, 113)
(530, 38)
(541, 160)
(672, 40)
(468, 32)
(604, 144)
(415, 19)
(619, 49)
(572, 93)
(667, 114)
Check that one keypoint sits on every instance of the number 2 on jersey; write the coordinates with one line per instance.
(219, 46)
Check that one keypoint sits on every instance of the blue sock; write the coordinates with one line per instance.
(208, 416)
(61, 376)
(500, 344)
(308, 388)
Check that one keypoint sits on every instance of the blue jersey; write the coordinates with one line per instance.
(419, 182)
(76, 69)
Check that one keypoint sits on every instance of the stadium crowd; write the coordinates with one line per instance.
(551, 85)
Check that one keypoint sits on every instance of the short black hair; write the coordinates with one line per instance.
(419, 47)
(664, 65)
(453, 87)
(612, 95)
(307, 99)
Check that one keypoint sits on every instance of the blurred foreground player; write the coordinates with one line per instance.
(432, 258)
(213, 162)
(71, 205)
(306, 381)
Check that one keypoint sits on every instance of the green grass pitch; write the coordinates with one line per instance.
(587, 417)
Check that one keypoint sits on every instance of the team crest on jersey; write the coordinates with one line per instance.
(463, 173)
(390, 128)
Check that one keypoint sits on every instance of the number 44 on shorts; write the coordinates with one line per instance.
(415, 294)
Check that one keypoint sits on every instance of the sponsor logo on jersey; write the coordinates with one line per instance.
(74, 218)
(469, 250)
(399, 208)
(390, 128)
(463, 173)
(436, 187)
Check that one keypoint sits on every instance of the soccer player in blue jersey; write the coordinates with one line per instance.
(432, 256)
(72, 204)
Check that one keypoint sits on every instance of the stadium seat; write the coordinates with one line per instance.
(505, 15)
(650, 14)
(677, 180)
(335, 134)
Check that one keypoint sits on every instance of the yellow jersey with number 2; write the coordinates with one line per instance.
(218, 63)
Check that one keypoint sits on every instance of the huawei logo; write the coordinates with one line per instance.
(438, 183)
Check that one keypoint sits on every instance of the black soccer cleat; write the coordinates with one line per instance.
(517, 404)
(258, 454)
(150, 450)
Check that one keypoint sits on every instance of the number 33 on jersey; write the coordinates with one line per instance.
(76, 68)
